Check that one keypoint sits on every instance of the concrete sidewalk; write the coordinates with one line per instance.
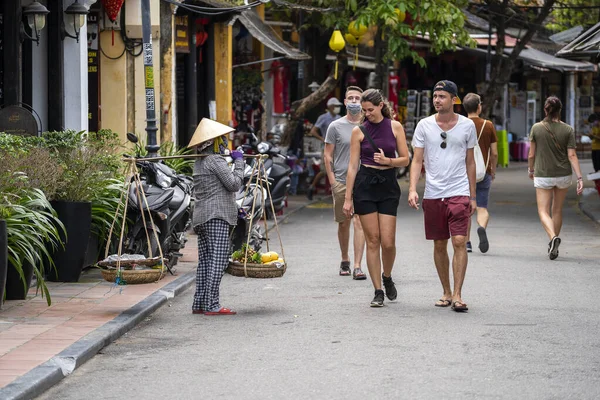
(41, 344)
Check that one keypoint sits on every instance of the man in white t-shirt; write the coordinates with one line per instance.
(445, 141)
(337, 158)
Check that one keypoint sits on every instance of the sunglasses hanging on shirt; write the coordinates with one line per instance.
(444, 136)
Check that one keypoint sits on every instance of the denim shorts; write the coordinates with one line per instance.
(483, 191)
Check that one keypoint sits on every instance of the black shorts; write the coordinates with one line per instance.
(376, 190)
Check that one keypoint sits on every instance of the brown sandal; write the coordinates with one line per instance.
(358, 275)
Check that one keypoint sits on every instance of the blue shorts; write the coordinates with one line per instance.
(483, 191)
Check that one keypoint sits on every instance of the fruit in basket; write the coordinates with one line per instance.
(257, 258)
(265, 258)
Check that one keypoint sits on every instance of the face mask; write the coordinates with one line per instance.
(353, 108)
(336, 110)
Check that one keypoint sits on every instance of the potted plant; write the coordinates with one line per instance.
(32, 227)
(3, 259)
(89, 166)
(26, 214)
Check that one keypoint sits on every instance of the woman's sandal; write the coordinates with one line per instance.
(222, 311)
(358, 275)
(443, 303)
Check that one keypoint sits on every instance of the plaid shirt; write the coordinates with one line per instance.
(215, 186)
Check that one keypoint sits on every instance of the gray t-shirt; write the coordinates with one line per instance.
(339, 134)
(446, 169)
(323, 122)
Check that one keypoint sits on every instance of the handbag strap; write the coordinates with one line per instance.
(489, 149)
(553, 136)
(369, 138)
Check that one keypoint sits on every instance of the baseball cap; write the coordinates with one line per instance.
(333, 102)
(450, 87)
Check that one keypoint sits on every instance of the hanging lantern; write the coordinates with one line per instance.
(353, 41)
(112, 8)
(357, 29)
(336, 43)
(400, 14)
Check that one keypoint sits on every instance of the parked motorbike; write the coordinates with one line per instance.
(168, 212)
(278, 174)
(243, 232)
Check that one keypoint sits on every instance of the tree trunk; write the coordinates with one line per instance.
(300, 107)
(503, 65)
(380, 66)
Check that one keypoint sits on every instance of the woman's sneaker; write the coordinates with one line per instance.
(553, 248)
(378, 299)
(390, 288)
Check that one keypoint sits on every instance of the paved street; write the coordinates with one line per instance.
(531, 331)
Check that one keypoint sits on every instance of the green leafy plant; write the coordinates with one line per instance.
(32, 226)
(180, 165)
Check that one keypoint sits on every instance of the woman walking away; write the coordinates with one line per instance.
(372, 192)
(552, 160)
(215, 211)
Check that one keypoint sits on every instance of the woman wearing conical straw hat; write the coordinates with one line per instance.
(215, 210)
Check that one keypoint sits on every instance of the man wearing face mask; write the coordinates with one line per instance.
(337, 157)
(319, 130)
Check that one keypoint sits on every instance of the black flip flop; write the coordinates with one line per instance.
(445, 303)
(460, 308)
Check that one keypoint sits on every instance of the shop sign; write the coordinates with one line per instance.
(182, 40)
(93, 76)
(17, 120)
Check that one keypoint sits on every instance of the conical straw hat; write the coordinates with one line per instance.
(208, 129)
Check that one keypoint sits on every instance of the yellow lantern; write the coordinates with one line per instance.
(353, 41)
(401, 14)
(336, 43)
(357, 29)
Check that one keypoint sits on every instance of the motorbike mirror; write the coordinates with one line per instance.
(132, 137)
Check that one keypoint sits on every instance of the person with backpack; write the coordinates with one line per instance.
(485, 171)
(372, 191)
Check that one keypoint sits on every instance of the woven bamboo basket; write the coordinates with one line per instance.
(134, 276)
(256, 270)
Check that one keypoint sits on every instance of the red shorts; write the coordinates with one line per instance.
(446, 217)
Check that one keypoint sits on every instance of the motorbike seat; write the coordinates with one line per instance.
(279, 171)
(158, 198)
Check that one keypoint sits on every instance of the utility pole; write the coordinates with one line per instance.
(151, 128)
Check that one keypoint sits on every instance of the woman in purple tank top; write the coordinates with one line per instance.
(372, 191)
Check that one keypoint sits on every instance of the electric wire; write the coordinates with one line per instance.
(212, 10)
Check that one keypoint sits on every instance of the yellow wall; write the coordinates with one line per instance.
(223, 77)
(113, 91)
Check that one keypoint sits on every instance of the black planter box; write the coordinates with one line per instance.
(3, 259)
(14, 284)
(69, 262)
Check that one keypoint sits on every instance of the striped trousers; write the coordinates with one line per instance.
(213, 257)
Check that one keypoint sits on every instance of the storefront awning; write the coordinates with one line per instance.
(266, 35)
(544, 61)
(586, 45)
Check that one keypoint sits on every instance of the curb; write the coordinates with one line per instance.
(44, 376)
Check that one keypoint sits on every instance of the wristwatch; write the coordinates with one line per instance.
(473, 198)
